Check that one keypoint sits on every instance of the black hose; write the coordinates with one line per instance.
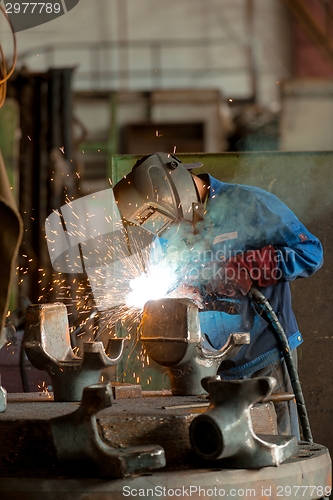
(264, 304)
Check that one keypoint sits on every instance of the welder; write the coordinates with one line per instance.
(237, 236)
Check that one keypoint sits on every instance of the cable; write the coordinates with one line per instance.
(4, 75)
(264, 304)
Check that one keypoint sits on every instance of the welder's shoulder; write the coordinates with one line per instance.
(253, 197)
(261, 196)
(244, 192)
(255, 191)
(255, 202)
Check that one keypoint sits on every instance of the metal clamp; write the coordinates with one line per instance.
(225, 430)
(3, 392)
(172, 337)
(48, 347)
(3, 398)
(77, 441)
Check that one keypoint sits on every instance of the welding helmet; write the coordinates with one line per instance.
(157, 193)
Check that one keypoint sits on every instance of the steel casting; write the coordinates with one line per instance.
(77, 441)
(3, 392)
(47, 344)
(3, 398)
(225, 430)
(172, 337)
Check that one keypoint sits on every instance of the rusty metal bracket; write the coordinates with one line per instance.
(225, 430)
(47, 344)
(77, 441)
(172, 337)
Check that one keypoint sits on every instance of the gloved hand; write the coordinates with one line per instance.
(241, 271)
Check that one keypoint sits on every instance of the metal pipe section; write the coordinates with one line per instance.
(225, 430)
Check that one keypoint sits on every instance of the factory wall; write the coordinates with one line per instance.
(236, 46)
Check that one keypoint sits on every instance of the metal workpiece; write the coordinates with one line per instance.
(7, 334)
(77, 441)
(3, 398)
(225, 430)
(3, 336)
(172, 337)
(47, 345)
(229, 349)
(3, 392)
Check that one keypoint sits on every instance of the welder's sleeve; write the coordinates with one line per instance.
(298, 252)
(301, 256)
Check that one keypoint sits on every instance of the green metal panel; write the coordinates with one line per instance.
(9, 140)
(109, 147)
(304, 181)
(295, 177)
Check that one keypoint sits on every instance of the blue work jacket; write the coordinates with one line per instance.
(240, 218)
